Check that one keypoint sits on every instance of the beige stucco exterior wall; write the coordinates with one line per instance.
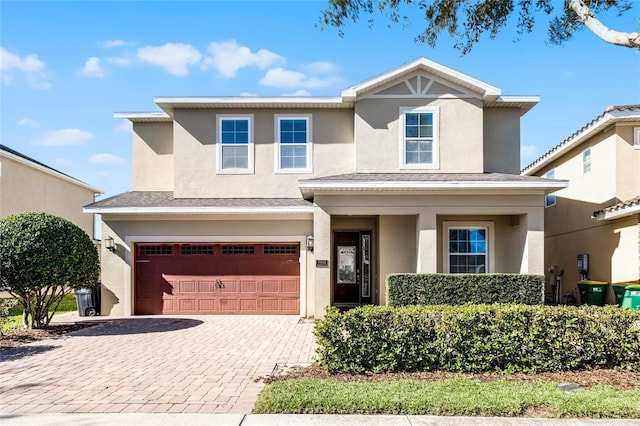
(397, 248)
(26, 189)
(627, 164)
(117, 279)
(501, 128)
(195, 153)
(152, 157)
(378, 135)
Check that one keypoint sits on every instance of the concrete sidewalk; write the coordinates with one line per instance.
(141, 419)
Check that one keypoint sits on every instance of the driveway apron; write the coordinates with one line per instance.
(160, 364)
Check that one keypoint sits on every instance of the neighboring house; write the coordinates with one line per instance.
(598, 213)
(26, 185)
(290, 204)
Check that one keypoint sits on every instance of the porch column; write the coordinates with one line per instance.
(427, 243)
(322, 250)
(533, 253)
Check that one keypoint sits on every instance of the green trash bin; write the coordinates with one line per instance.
(592, 292)
(632, 297)
(618, 291)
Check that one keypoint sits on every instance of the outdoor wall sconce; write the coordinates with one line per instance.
(110, 244)
(310, 243)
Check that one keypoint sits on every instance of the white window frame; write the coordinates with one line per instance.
(309, 143)
(490, 252)
(435, 163)
(250, 148)
(586, 164)
(550, 199)
(636, 137)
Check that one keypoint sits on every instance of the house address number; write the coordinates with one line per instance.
(322, 263)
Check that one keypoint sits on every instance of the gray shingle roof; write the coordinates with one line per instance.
(428, 177)
(165, 199)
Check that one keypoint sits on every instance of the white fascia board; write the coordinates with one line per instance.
(242, 100)
(138, 116)
(199, 210)
(605, 121)
(50, 172)
(618, 213)
(518, 99)
(441, 185)
(486, 89)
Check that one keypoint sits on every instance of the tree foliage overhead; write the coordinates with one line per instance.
(42, 258)
(467, 20)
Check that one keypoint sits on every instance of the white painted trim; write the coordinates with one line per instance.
(489, 225)
(309, 143)
(200, 210)
(636, 137)
(49, 171)
(131, 239)
(250, 146)
(435, 164)
(134, 116)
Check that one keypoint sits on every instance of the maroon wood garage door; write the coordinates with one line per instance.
(217, 278)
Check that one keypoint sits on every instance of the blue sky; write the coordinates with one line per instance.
(68, 66)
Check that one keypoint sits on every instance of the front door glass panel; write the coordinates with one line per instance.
(346, 265)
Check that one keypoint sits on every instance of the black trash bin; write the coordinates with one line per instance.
(88, 301)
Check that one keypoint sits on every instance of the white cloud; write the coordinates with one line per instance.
(64, 137)
(528, 153)
(126, 126)
(62, 162)
(32, 68)
(320, 67)
(28, 122)
(227, 57)
(93, 68)
(279, 77)
(108, 44)
(106, 159)
(298, 93)
(175, 58)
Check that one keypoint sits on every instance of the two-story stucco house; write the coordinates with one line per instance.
(290, 204)
(598, 214)
(27, 185)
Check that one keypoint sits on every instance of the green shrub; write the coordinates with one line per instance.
(478, 338)
(458, 289)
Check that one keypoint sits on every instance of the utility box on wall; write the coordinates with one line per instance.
(583, 264)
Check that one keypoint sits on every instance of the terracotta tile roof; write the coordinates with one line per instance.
(618, 207)
(610, 109)
(160, 199)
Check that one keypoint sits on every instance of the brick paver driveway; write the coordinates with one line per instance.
(195, 364)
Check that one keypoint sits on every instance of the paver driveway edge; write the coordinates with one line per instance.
(153, 364)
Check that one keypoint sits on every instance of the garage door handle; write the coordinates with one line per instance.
(219, 284)
(143, 261)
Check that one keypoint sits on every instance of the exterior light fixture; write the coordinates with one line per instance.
(310, 242)
(110, 244)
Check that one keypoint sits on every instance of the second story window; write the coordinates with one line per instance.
(235, 144)
(293, 142)
(550, 199)
(419, 148)
(586, 161)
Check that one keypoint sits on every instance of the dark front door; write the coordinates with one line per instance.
(352, 267)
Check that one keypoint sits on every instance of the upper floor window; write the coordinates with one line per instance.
(636, 137)
(293, 144)
(419, 147)
(235, 144)
(550, 199)
(586, 161)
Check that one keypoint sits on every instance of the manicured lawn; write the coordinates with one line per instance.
(14, 319)
(446, 397)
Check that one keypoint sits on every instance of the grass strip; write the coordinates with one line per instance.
(452, 397)
(14, 319)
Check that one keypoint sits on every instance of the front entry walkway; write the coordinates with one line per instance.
(159, 364)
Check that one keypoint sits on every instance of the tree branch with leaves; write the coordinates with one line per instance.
(467, 20)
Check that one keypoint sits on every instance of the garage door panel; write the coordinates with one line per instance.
(218, 279)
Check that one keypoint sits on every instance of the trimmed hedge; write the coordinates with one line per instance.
(458, 289)
(478, 338)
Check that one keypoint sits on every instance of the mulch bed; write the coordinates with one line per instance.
(21, 336)
(621, 379)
